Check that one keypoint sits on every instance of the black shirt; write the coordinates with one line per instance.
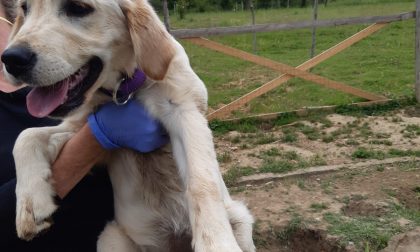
(81, 216)
(14, 118)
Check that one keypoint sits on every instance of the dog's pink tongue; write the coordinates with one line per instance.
(41, 101)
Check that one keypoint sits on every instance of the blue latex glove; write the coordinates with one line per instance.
(127, 126)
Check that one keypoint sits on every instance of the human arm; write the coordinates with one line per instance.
(111, 127)
(82, 151)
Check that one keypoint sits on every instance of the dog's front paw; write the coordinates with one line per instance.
(33, 213)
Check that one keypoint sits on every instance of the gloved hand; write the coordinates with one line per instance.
(127, 126)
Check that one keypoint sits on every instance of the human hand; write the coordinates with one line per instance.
(127, 126)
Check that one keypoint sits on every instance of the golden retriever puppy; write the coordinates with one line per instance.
(67, 50)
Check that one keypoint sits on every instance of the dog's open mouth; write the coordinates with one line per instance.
(59, 99)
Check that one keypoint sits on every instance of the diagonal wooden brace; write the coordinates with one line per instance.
(305, 66)
(284, 68)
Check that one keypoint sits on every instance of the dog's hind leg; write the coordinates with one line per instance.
(241, 221)
(196, 159)
(113, 239)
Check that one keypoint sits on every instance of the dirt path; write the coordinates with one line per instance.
(356, 209)
(369, 196)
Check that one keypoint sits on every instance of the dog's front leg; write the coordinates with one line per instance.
(196, 158)
(34, 152)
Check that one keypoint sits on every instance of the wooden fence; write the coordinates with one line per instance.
(220, 31)
(195, 36)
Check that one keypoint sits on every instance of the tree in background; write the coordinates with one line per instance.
(182, 6)
(226, 4)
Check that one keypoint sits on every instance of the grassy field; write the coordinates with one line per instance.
(338, 9)
(382, 63)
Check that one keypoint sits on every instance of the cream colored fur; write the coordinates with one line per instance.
(177, 189)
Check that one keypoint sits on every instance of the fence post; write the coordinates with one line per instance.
(315, 18)
(254, 37)
(166, 15)
(417, 87)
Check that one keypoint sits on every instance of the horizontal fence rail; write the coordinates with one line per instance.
(238, 103)
(220, 31)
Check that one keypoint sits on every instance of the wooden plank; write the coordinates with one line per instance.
(261, 178)
(307, 110)
(225, 110)
(417, 66)
(284, 68)
(315, 18)
(219, 31)
(254, 35)
(166, 15)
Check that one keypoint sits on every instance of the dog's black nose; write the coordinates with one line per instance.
(18, 60)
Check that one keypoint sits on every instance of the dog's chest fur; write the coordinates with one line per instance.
(149, 194)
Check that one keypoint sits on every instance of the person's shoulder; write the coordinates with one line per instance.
(17, 95)
(13, 107)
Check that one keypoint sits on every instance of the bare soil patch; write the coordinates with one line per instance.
(366, 193)
(365, 208)
(329, 212)
(409, 197)
(304, 240)
(334, 141)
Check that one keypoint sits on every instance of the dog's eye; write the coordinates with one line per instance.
(77, 9)
(24, 7)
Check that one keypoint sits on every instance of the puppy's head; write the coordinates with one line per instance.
(66, 49)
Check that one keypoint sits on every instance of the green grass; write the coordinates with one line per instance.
(301, 184)
(364, 153)
(333, 10)
(289, 136)
(318, 207)
(373, 231)
(290, 162)
(292, 227)
(277, 166)
(362, 230)
(403, 153)
(382, 63)
(312, 133)
(248, 125)
(244, 126)
(224, 157)
(264, 138)
(232, 175)
(411, 131)
(381, 142)
(273, 152)
(352, 142)
(407, 213)
(274, 161)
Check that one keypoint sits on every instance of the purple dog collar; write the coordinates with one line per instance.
(128, 86)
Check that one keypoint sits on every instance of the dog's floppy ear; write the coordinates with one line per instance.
(152, 44)
(16, 26)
